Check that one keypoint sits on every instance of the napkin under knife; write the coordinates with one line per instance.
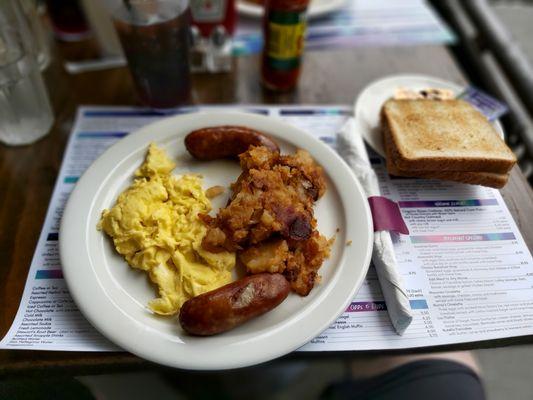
(352, 149)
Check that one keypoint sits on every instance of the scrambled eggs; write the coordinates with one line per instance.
(154, 225)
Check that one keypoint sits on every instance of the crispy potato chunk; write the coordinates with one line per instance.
(268, 256)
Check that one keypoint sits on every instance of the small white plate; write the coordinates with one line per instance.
(113, 296)
(368, 104)
(317, 8)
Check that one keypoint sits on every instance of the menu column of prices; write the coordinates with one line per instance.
(476, 270)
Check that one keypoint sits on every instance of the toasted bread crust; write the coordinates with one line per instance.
(449, 135)
(489, 179)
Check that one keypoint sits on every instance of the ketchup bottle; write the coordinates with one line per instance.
(208, 14)
(284, 27)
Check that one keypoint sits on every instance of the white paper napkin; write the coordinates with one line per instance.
(352, 149)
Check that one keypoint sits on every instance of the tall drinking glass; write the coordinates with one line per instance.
(155, 37)
(38, 34)
(25, 112)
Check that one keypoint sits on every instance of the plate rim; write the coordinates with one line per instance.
(358, 103)
(71, 232)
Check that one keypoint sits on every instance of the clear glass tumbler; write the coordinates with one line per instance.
(25, 111)
(38, 32)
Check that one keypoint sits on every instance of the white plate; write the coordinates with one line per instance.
(369, 102)
(113, 296)
(317, 8)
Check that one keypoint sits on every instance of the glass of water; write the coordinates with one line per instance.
(25, 111)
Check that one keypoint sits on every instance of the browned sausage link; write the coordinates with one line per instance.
(231, 305)
(225, 142)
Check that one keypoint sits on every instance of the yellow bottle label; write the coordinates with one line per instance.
(285, 41)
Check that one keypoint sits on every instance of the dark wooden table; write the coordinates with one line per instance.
(28, 174)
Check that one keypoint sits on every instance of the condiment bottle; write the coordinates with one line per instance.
(208, 14)
(284, 27)
(219, 59)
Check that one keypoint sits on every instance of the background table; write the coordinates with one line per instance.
(28, 174)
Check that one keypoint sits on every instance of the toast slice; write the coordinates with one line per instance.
(447, 135)
(489, 179)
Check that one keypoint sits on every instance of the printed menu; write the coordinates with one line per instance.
(466, 267)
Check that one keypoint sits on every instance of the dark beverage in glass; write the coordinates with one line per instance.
(155, 39)
(68, 19)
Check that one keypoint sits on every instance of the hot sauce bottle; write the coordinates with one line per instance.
(284, 27)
